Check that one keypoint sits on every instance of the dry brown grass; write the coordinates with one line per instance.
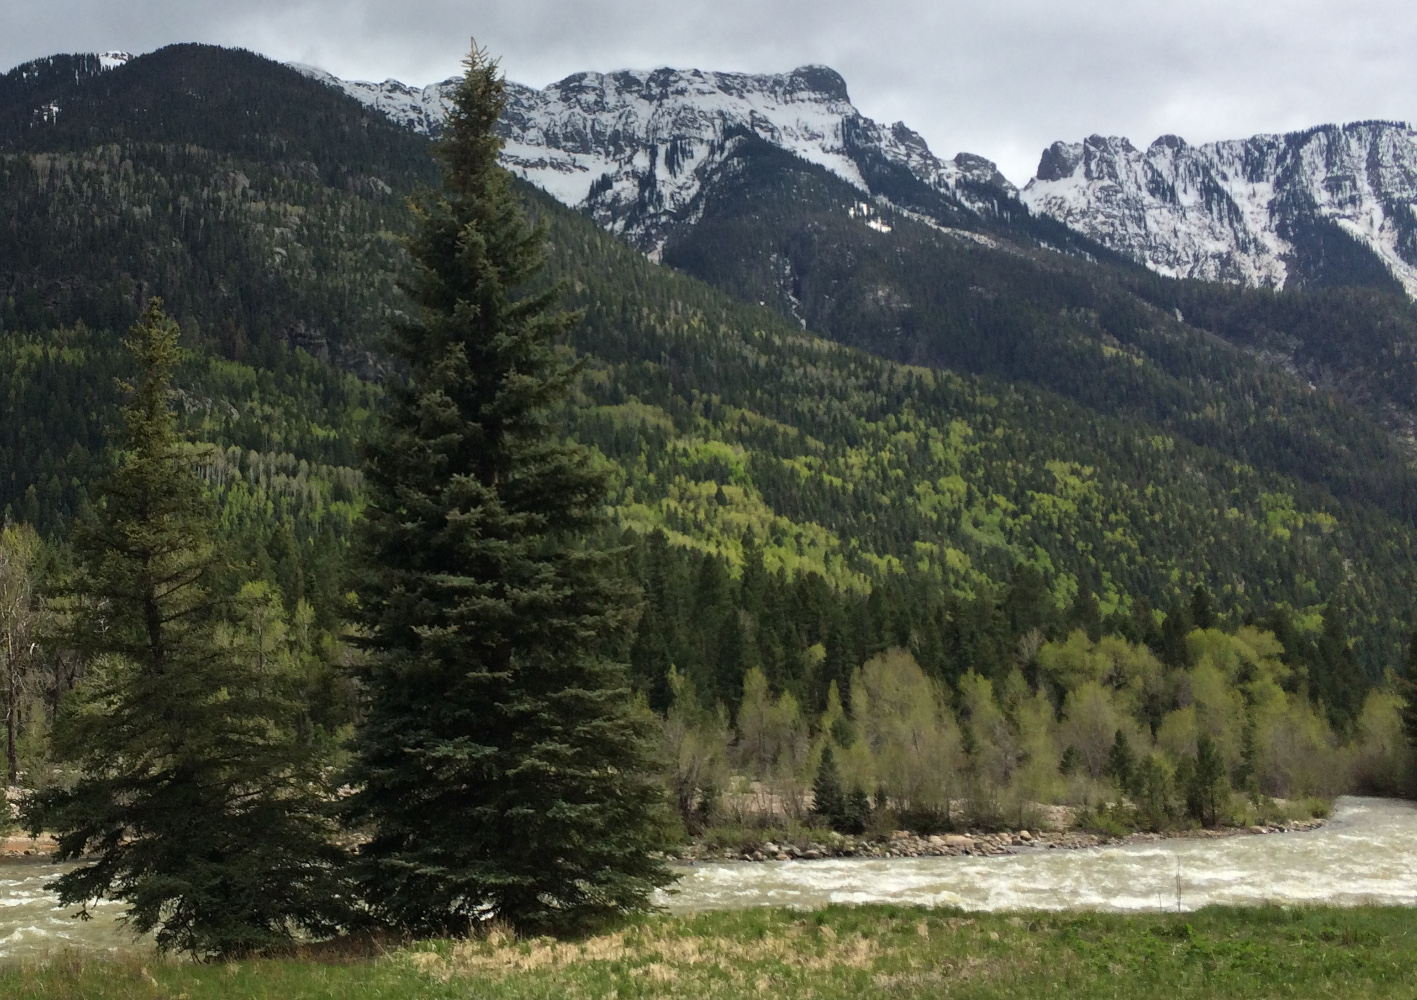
(660, 955)
(667, 957)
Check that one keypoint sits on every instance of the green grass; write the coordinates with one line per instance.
(839, 952)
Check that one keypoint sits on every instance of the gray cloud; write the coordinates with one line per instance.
(1002, 78)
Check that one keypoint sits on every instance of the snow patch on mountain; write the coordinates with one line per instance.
(1239, 210)
(636, 148)
(112, 60)
(419, 108)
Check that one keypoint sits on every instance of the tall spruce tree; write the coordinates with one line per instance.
(1337, 677)
(502, 767)
(828, 800)
(196, 802)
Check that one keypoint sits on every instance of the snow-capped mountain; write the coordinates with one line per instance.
(636, 148)
(419, 108)
(1333, 204)
(639, 149)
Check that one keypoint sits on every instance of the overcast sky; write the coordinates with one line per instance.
(1002, 78)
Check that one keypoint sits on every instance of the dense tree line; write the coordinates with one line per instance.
(724, 419)
(1105, 728)
(1357, 342)
(713, 622)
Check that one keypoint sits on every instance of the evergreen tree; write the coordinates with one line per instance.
(1153, 794)
(652, 654)
(752, 586)
(1085, 613)
(828, 801)
(502, 767)
(1174, 652)
(1298, 651)
(650, 662)
(1337, 677)
(1143, 628)
(837, 663)
(1206, 785)
(1202, 608)
(1121, 762)
(1027, 604)
(858, 812)
(737, 654)
(196, 802)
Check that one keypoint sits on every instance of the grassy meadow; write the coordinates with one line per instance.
(839, 952)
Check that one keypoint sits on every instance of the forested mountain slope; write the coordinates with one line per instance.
(779, 230)
(1083, 433)
(234, 188)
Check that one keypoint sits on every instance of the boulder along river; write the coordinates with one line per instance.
(1367, 853)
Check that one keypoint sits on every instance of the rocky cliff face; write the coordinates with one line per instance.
(636, 149)
(1331, 205)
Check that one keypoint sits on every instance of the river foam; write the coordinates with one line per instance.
(1367, 853)
(32, 922)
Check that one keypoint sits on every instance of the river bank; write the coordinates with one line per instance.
(16, 846)
(898, 844)
(904, 844)
(837, 953)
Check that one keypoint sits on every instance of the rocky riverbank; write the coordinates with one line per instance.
(900, 844)
(903, 844)
(19, 846)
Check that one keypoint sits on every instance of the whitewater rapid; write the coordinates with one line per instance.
(1367, 853)
(32, 922)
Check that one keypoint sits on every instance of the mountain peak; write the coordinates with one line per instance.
(635, 148)
(1059, 161)
(1333, 204)
(1174, 142)
(821, 80)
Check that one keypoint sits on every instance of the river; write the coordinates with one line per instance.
(1367, 853)
(31, 923)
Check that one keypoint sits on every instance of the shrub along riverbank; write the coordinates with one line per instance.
(838, 952)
